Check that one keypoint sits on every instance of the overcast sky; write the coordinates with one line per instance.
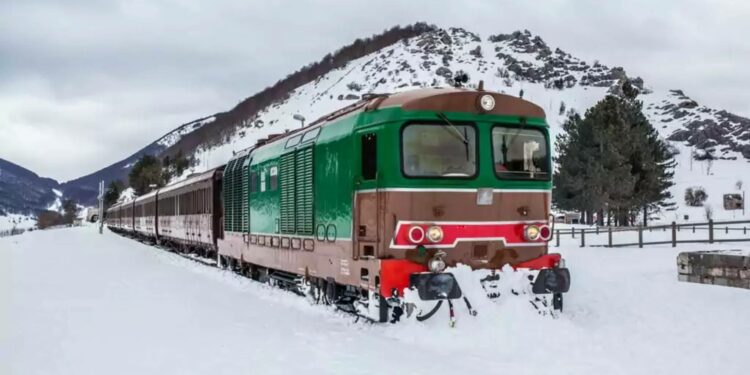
(85, 83)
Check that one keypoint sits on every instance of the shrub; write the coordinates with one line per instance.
(695, 197)
(48, 219)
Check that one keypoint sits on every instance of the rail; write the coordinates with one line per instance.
(715, 232)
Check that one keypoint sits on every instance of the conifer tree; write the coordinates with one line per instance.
(113, 192)
(146, 172)
(612, 159)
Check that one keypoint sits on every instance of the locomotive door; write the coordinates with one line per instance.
(368, 198)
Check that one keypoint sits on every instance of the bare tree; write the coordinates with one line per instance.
(738, 184)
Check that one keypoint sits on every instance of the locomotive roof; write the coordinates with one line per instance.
(426, 99)
(457, 100)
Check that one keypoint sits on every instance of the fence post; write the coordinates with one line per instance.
(597, 229)
(726, 229)
(693, 228)
(640, 237)
(674, 234)
(573, 232)
(710, 231)
(557, 239)
(583, 237)
(609, 234)
(744, 230)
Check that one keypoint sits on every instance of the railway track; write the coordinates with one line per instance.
(275, 280)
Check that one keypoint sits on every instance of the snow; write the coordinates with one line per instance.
(16, 221)
(56, 205)
(127, 195)
(722, 179)
(173, 137)
(120, 307)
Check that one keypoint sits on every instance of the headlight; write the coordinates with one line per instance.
(436, 264)
(531, 232)
(435, 234)
(416, 234)
(487, 102)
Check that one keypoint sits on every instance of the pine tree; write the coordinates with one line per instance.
(146, 172)
(612, 159)
(113, 192)
(70, 211)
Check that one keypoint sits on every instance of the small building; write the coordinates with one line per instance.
(568, 217)
(733, 202)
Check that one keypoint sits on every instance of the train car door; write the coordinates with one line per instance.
(367, 203)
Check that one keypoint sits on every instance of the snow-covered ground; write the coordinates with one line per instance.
(16, 221)
(76, 302)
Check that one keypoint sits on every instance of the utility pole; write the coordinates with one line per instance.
(101, 206)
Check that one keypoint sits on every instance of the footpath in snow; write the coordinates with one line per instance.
(76, 302)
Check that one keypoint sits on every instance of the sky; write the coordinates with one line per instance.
(85, 83)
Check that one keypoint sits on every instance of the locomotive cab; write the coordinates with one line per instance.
(458, 177)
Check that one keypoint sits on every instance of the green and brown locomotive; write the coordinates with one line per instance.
(386, 193)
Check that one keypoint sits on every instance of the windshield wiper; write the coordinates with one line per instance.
(463, 137)
(454, 128)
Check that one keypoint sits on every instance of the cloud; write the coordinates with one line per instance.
(84, 83)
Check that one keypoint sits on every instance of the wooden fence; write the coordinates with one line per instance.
(712, 228)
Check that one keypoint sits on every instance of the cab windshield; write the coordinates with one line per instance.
(520, 153)
(439, 150)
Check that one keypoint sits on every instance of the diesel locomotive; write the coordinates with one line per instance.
(375, 198)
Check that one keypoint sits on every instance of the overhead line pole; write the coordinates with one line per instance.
(101, 206)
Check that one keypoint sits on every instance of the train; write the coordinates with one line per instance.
(374, 199)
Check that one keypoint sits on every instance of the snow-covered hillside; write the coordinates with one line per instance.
(172, 137)
(16, 221)
(76, 302)
(515, 63)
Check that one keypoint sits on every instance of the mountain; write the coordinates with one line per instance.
(421, 55)
(24, 192)
(85, 189)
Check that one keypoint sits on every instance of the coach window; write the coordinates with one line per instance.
(369, 156)
(262, 180)
(274, 177)
(520, 153)
(439, 150)
(201, 208)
